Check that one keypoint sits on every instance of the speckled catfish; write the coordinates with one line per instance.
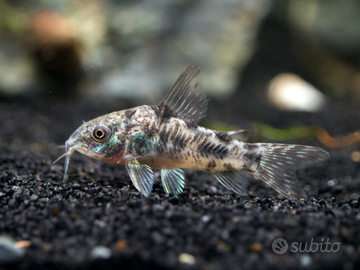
(167, 137)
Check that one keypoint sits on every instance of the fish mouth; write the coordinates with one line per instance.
(70, 146)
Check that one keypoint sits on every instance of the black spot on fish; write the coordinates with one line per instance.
(129, 113)
(140, 145)
(228, 166)
(190, 125)
(177, 143)
(211, 164)
(208, 148)
(156, 110)
(223, 136)
(217, 148)
(160, 148)
(251, 159)
(182, 144)
(235, 148)
(185, 140)
(164, 111)
(164, 137)
(151, 130)
(200, 146)
(128, 127)
(250, 146)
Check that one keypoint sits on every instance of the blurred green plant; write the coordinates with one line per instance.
(297, 132)
(216, 124)
(260, 130)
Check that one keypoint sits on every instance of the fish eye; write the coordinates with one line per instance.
(101, 133)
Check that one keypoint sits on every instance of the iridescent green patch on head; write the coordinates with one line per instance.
(113, 147)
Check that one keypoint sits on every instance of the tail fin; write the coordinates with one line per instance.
(278, 164)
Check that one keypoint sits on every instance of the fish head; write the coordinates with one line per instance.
(100, 138)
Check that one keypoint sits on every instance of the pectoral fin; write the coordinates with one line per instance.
(232, 181)
(173, 181)
(141, 175)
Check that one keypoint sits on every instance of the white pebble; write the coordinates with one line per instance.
(186, 258)
(305, 260)
(290, 92)
(8, 250)
(100, 252)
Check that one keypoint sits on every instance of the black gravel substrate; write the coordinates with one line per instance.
(97, 220)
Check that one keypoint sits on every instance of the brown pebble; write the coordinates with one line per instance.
(121, 244)
(56, 210)
(255, 247)
(23, 244)
(46, 246)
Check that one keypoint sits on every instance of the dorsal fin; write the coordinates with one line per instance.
(184, 99)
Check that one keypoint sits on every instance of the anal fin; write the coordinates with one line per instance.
(141, 175)
(173, 181)
(232, 181)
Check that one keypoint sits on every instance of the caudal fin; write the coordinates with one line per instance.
(279, 162)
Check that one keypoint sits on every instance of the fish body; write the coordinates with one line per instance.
(167, 137)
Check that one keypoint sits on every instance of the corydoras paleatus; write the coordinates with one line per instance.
(167, 137)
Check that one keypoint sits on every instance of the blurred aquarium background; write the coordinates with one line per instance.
(276, 62)
(125, 48)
